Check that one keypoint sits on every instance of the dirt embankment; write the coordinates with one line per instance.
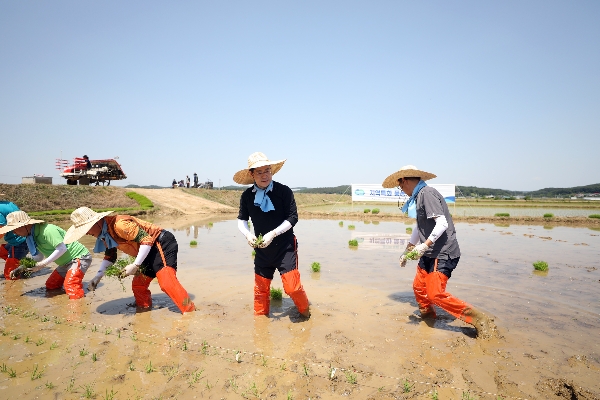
(32, 198)
(181, 201)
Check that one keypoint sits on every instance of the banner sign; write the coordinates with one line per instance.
(380, 241)
(370, 192)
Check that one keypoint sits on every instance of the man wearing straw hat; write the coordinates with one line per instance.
(153, 248)
(435, 243)
(272, 208)
(47, 240)
(15, 247)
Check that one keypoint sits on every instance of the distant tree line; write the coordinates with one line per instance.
(547, 192)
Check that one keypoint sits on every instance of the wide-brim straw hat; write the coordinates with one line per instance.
(408, 171)
(83, 219)
(17, 219)
(256, 160)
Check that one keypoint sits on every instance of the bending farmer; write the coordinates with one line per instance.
(47, 240)
(434, 240)
(272, 208)
(153, 248)
(15, 247)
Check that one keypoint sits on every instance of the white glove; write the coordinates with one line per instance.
(95, 281)
(421, 249)
(130, 269)
(251, 239)
(403, 259)
(17, 272)
(267, 239)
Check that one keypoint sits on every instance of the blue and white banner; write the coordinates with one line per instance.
(370, 192)
(380, 241)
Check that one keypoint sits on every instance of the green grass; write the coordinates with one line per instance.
(276, 294)
(367, 210)
(540, 266)
(502, 215)
(548, 215)
(353, 243)
(316, 267)
(193, 243)
(375, 211)
(595, 216)
(351, 227)
(142, 200)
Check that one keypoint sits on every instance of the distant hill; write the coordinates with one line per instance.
(326, 190)
(145, 187)
(547, 192)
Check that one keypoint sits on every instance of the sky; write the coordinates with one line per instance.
(501, 94)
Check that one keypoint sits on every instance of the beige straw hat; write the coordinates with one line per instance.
(83, 219)
(408, 171)
(256, 160)
(17, 219)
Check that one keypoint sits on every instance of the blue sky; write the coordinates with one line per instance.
(490, 94)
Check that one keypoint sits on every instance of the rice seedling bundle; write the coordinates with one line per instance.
(115, 270)
(375, 211)
(548, 215)
(193, 243)
(316, 267)
(540, 266)
(408, 230)
(353, 243)
(367, 210)
(259, 240)
(594, 216)
(412, 255)
(276, 294)
(28, 263)
(502, 215)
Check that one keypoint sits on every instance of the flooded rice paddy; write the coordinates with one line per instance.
(364, 326)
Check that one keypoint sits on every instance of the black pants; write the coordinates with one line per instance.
(282, 257)
(444, 266)
(154, 262)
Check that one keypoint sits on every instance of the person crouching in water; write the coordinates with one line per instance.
(435, 241)
(47, 240)
(272, 208)
(153, 247)
(15, 247)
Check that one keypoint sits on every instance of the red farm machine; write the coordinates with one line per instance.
(96, 172)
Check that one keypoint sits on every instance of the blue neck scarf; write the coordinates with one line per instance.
(262, 200)
(104, 240)
(410, 206)
(31, 242)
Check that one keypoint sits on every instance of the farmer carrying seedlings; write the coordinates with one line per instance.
(435, 244)
(47, 240)
(153, 248)
(272, 208)
(15, 247)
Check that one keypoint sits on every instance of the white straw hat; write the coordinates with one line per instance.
(17, 219)
(408, 171)
(256, 160)
(83, 219)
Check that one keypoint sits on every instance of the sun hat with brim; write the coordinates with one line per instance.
(17, 219)
(83, 219)
(408, 171)
(256, 160)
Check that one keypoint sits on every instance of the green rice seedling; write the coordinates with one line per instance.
(408, 230)
(209, 386)
(95, 329)
(45, 319)
(40, 342)
(548, 215)
(249, 224)
(264, 360)
(28, 263)
(5, 332)
(149, 368)
(36, 373)
(540, 266)
(353, 243)
(283, 366)
(351, 227)
(316, 267)
(259, 240)
(16, 337)
(375, 211)
(467, 396)
(107, 332)
(412, 255)
(233, 384)
(4, 368)
(71, 385)
(210, 224)
(27, 339)
(366, 210)
(119, 333)
(88, 391)
(341, 223)
(350, 377)
(502, 215)
(131, 366)
(50, 385)
(407, 386)
(205, 347)
(184, 347)
(53, 345)
(289, 395)
(110, 395)
(276, 294)
(195, 377)
(94, 357)
(12, 373)
(434, 395)
(193, 243)
(594, 216)
(83, 352)
(253, 253)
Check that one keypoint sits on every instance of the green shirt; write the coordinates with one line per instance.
(48, 236)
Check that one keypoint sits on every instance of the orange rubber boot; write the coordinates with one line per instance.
(139, 286)
(169, 284)
(54, 281)
(74, 284)
(293, 288)
(420, 290)
(262, 295)
(436, 291)
(10, 265)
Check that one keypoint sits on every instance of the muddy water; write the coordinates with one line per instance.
(363, 322)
